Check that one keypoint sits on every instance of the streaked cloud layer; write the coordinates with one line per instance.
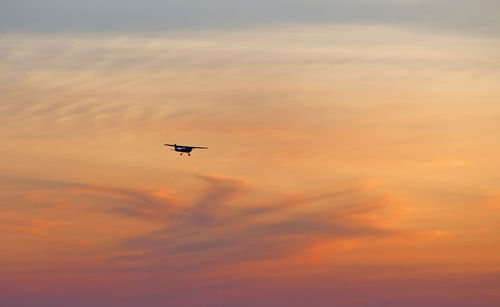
(351, 163)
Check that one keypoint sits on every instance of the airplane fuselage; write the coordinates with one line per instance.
(183, 149)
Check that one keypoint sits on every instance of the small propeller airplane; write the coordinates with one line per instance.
(186, 149)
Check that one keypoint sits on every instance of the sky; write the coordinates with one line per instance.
(353, 153)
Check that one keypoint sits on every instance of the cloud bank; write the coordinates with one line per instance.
(114, 15)
(349, 158)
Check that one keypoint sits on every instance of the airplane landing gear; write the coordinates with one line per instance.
(189, 155)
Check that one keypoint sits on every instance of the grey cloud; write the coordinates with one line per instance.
(224, 223)
(218, 192)
(141, 204)
(119, 15)
(134, 203)
(245, 233)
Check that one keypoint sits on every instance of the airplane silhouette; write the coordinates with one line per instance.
(186, 149)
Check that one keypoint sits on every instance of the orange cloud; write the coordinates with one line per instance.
(224, 223)
(351, 156)
(12, 222)
(493, 200)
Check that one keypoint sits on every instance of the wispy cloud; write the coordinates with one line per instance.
(309, 80)
(12, 223)
(337, 153)
(224, 222)
(224, 225)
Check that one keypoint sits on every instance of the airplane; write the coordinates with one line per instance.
(186, 149)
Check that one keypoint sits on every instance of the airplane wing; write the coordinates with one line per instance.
(186, 146)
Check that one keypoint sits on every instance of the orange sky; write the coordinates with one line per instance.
(353, 164)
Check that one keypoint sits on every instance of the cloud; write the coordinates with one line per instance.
(221, 232)
(114, 15)
(136, 203)
(71, 85)
(492, 200)
(234, 229)
(295, 116)
(13, 223)
(144, 204)
(226, 220)
(220, 191)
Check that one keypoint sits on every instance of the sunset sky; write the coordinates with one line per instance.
(354, 153)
